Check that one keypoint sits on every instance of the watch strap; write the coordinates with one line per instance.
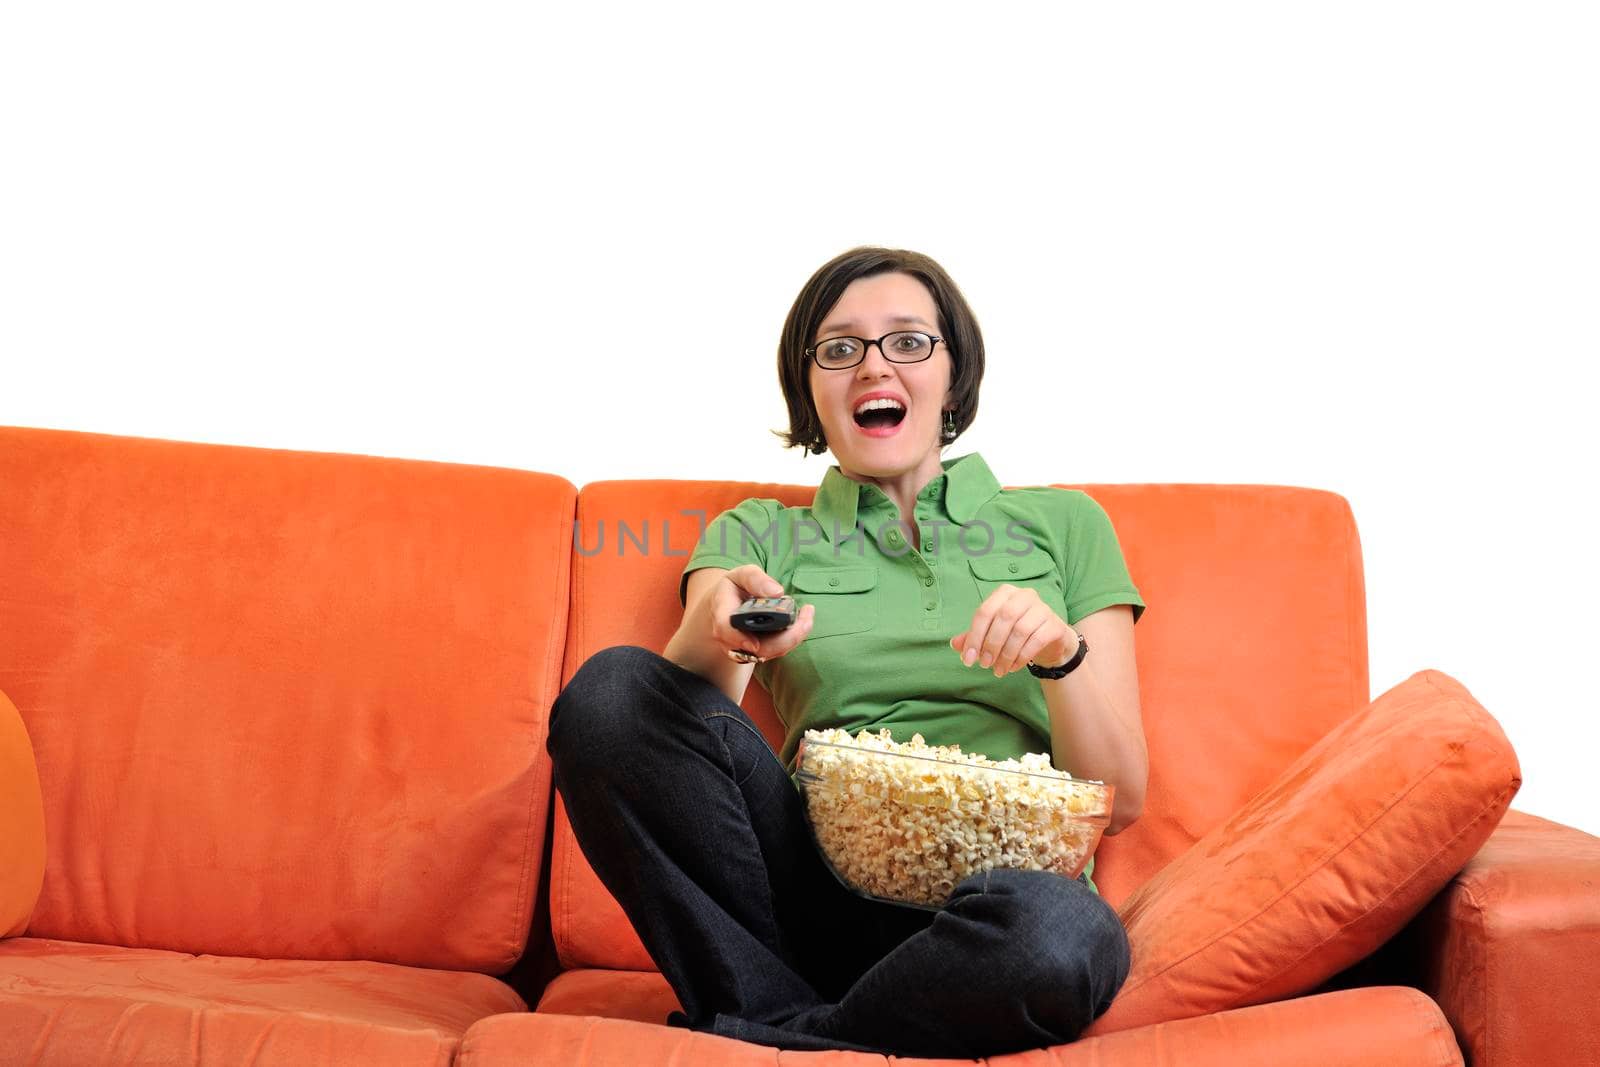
(1066, 668)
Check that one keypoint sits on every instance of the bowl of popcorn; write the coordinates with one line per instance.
(906, 822)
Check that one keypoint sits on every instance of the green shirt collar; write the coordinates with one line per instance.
(964, 487)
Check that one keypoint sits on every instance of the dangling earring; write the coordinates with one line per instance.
(949, 426)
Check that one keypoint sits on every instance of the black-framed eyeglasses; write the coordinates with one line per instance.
(902, 346)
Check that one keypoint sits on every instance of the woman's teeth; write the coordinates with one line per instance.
(879, 413)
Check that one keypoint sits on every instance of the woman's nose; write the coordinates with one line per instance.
(873, 362)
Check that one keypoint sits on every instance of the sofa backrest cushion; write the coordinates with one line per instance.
(1260, 649)
(1253, 647)
(284, 704)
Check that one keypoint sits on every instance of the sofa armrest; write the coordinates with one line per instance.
(21, 824)
(1510, 948)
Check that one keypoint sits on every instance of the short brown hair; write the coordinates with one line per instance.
(957, 325)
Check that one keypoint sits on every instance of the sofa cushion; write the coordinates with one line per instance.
(21, 824)
(284, 704)
(641, 995)
(1377, 1027)
(1325, 864)
(67, 1003)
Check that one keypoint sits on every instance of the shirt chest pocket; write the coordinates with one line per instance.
(1036, 571)
(842, 597)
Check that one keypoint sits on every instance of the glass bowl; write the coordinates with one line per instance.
(907, 828)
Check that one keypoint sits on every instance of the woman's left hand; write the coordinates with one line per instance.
(1011, 627)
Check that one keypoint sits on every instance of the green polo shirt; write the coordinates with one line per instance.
(879, 653)
(879, 650)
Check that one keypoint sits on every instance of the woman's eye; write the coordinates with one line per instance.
(908, 343)
(838, 350)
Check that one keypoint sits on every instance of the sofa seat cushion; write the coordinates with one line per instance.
(62, 1002)
(641, 995)
(1324, 865)
(1377, 1027)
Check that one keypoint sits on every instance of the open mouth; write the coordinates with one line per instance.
(879, 414)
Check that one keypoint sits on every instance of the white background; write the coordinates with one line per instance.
(1353, 246)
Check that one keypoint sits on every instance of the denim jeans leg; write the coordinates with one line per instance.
(1014, 960)
(690, 822)
(693, 825)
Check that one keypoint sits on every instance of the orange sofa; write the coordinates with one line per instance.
(273, 786)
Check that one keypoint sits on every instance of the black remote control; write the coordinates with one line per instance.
(764, 614)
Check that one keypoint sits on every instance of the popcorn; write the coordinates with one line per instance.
(910, 829)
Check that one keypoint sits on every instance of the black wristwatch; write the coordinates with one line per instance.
(1066, 668)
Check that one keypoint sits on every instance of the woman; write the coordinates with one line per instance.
(934, 603)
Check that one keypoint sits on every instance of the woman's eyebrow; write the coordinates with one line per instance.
(899, 320)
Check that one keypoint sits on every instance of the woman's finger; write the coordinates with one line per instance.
(785, 641)
(758, 648)
(750, 580)
(982, 619)
(1034, 620)
(1011, 608)
(1041, 638)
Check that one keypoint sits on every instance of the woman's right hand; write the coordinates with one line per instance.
(733, 588)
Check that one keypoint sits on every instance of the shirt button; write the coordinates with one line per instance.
(1012, 568)
(929, 605)
(894, 537)
(927, 581)
(835, 581)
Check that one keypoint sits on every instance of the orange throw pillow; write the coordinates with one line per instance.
(1324, 865)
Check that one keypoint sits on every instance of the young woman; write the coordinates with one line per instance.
(934, 602)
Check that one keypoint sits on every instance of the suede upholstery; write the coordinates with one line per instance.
(275, 787)
(21, 824)
(284, 704)
(1511, 948)
(1324, 865)
(72, 1003)
(1378, 1027)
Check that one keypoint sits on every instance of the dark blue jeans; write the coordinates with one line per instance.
(693, 824)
